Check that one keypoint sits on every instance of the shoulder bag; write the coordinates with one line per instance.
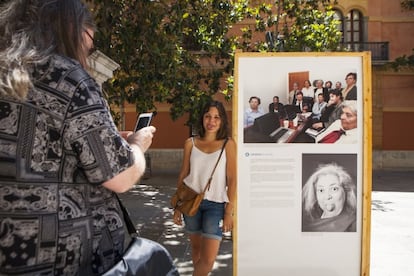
(143, 256)
(186, 200)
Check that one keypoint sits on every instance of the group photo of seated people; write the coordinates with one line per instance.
(318, 113)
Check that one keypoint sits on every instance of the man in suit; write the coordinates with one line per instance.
(276, 106)
(338, 86)
(304, 106)
(332, 111)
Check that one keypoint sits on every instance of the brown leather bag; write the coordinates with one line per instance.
(186, 200)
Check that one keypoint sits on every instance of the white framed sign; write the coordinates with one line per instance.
(303, 204)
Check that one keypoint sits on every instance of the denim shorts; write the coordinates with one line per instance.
(207, 221)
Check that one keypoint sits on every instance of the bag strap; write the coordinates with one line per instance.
(128, 222)
(215, 166)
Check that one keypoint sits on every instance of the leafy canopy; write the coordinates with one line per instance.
(181, 51)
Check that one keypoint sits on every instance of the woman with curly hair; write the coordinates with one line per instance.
(329, 201)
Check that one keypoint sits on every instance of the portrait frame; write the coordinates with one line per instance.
(268, 237)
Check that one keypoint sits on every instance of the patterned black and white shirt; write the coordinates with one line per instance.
(56, 149)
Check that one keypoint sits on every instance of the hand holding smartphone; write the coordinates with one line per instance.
(144, 120)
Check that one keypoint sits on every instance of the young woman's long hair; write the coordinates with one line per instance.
(31, 31)
(224, 126)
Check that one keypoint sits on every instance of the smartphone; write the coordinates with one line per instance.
(144, 119)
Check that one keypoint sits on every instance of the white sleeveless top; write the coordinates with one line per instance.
(201, 166)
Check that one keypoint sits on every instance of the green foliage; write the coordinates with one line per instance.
(297, 26)
(154, 42)
(201, 28)
(130, 33)
(403, 62)
(407, 4)
(179, 51)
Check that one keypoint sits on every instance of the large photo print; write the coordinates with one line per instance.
(294, 109)
(303, 138)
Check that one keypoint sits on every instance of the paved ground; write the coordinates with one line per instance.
(392, 223)
(148, 205)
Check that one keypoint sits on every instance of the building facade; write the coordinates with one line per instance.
(379, 26)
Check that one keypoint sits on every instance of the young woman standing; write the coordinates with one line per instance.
(215, 214)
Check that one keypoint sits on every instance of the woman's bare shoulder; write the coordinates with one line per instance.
(230, 141)
(188, 143)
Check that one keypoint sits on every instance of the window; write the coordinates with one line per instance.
(354, 29)
(351, 27)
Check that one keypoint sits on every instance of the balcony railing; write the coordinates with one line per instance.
(379, 50)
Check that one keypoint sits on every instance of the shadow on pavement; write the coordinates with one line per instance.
(149, 206)
(396, 181)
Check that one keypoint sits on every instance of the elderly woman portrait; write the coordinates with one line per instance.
(329, 201)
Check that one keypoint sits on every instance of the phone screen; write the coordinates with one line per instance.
(143, 121)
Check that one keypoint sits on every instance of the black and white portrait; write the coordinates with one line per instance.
(329, 193)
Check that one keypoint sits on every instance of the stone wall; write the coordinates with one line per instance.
(165, 160)
(396, 160)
